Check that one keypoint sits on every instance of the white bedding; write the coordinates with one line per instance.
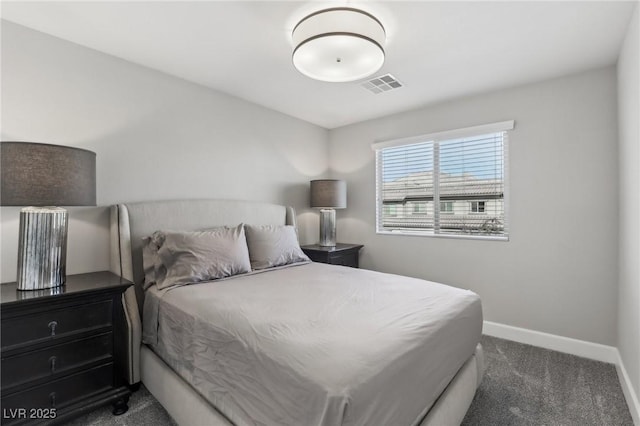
(316, 344)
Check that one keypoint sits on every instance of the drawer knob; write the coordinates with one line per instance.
(52, 399)
(52, 327)
(52, 362)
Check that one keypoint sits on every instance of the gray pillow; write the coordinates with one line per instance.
(154, 270)
(272, 245)
(192, 257)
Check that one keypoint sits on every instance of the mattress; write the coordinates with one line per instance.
(316, 344)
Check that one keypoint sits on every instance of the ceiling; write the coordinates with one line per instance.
(438, 50)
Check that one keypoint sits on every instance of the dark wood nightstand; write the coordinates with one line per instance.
(341, 254)
(63, 349)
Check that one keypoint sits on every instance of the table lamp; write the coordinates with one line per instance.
(328, 195)
(43, 176)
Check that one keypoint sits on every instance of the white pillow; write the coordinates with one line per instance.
(154, 270)
(191, 257)
(272, 245)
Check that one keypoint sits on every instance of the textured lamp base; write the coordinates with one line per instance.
(327, 227)
(42, 250)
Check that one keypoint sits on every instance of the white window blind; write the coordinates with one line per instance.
(446, 184)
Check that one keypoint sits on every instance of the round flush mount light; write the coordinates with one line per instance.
(338, 45)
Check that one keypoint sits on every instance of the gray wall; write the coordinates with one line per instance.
(558, 273)
(156, 137)
(629, 244)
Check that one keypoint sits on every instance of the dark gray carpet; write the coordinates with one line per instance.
(523, 385)
(527, 385)
(144, 410)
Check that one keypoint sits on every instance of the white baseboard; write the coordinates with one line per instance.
(554, 342)
(571, 346)
(629, 393)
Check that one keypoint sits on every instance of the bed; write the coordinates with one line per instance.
(306, 343)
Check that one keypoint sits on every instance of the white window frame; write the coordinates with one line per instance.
(502, 126)
(393, 210)
(477, 203)
(419, 207)
(448, 204)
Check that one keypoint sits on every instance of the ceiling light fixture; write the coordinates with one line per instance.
(338, 45)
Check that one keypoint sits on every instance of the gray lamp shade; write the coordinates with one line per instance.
(329, 193)
(36, 174)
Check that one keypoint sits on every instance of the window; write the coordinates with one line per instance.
(419, 207)
(391, 210)
(457, 181)
(446, 207)
(477, 206)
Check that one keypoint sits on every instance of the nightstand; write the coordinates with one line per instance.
(341, 254)
(63, 349)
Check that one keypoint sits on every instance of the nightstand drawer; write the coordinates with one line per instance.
(317, 257)
(61, 392)
(56, 360)
(342, 254)
(55, 323)
(345, 259)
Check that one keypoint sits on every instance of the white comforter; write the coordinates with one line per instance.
(316, 344)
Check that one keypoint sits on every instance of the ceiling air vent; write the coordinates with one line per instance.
(382, 83)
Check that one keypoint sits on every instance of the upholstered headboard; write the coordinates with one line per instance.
(131, 222)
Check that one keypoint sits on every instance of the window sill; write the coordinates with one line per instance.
(456, 237)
